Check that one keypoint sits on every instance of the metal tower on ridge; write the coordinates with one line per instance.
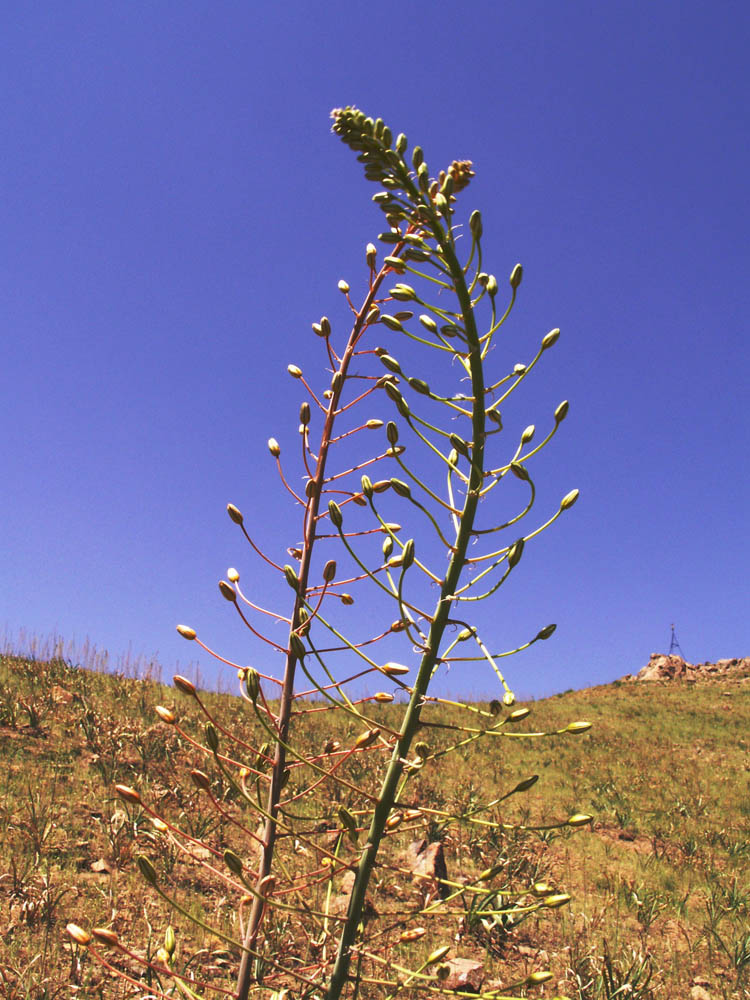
(674, 645)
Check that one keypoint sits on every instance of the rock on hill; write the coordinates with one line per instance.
(661, 667)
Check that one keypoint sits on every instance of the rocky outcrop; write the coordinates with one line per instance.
(662, 667)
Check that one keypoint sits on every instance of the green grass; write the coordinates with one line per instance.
(660, 883)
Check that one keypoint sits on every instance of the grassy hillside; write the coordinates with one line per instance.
(660, 882)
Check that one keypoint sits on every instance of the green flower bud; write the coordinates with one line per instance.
(418, 385)
(401, 143)
(520, 471)
(399, 486)
(367, 487)
(297, 646)
(562, 411)
(227, 592)
(396, 264)
(371, 254)
(408, 554)
(373, 315)
(391, 432)
(252, 684)
(382, 485)
(495, 418)
(515, 277)
(373, 424)
(186, 632)
(390, 363)
(428, 323)
(578, 727)
(526, 784)
(509, 699)
(234, 513)
(492, 285)
(569, 499)
(520, 713)
(390, 237)
(304, 413)
(417, 157)
(580, 819)
(459, 444)
(291, 578)
(550, 338)
(233, 862)
(559, 899)
(387, 546)
(334, 512)
(528, 434)
(329, 571)
(212, 737)
(437, 954)
(273, 447)
(546, 632)
(537, 978)
(169, 941)
(515, 552)
(147, 869)
(475, 224)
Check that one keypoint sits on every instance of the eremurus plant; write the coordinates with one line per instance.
(298, 816)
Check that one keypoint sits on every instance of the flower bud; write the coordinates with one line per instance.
(393, 669)
(520, 471)
(569, 499)
(528, 434)
(428, 323)
(437, 954)
(394, 820)
(515, 552)
(382, 697)
(374, 314)
(252, 684)
(232, 575)
(227, 592)
(334, 512)
(105, 936)
(459, 444)
(526, 784)
(233, 862)
(541, 889)
(402, 293)
(234, 513)
(294, 371)
(273, 447)
(550, 338)
(169, 941)
(419, 385)
(147, 869)
(558, 899)
(408, 554)
(414, 934)
(329, 571)
(304, 413)
(519, 369)
(390, 237)
(475, 224)
(537, 978)
(291, 578)
(297, 646)
(347, 599)
(366, 739)
(165, 714)
(373, 424)
(159, 825)
(371, 254)
(343, 286)
(184, 685)
(212, 737)
(367, 487)
(515, 277)
(399, 486)
(186, 632)
(509, 699)
(390, 363)
(562, 411)
(495, 418)
(580, 819)
(200, 780)
(492, 285)
(325, 326)
(578, 727)
(79, 935)
(520, 713)
(546, 632)
(129, 794)
(395, 263)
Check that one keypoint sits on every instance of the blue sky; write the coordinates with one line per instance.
(175, 213)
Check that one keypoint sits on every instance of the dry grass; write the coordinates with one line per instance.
(660, 884)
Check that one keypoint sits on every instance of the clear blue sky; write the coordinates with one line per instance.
(175, 213)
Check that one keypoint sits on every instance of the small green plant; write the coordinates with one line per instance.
(396, 486)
